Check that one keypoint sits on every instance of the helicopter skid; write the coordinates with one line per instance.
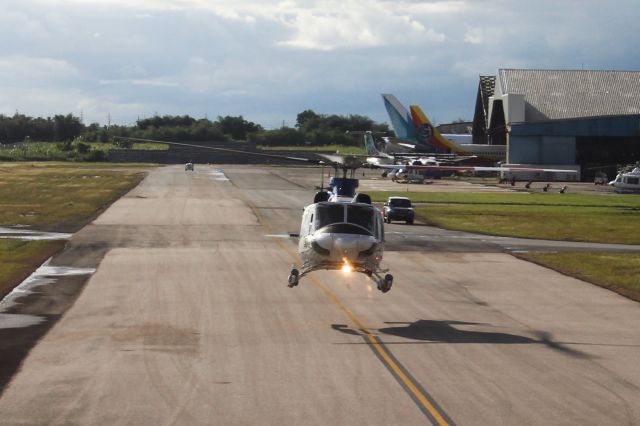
(383, 283)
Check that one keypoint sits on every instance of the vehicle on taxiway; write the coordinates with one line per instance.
(398, 208)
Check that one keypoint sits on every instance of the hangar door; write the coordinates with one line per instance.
(605, 153)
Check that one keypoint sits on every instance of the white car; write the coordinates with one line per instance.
(188, 166)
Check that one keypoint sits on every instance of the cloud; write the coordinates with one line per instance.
(276, 58)
(36, 72)
(352, 24)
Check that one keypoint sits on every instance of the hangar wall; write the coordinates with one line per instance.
(541, 149)
(551, 117)
(591, 143)
(617, 125)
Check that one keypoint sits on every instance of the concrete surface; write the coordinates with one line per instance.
(188, 320)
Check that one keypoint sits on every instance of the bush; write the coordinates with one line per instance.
(65, 146)
(83, 148)
(96, 155)
(280, 137)
(124, 143)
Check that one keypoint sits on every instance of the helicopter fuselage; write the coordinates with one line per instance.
(627, 180)
(338, 234)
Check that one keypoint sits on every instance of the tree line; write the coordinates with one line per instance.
(311, 129)
(21, 128)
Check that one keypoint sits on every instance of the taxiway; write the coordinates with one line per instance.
(188, 320)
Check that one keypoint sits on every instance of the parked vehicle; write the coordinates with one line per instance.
(398, 208)
(600, 178)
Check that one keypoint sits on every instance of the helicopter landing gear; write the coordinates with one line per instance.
(385, 284)
(294, 277)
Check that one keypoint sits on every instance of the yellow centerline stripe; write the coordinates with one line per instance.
(417, 393)
(383, 353)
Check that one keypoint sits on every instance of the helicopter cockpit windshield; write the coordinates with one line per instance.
(328, 214)
(361, 215)
(341, 218)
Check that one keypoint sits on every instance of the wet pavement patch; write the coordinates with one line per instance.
(20, 233)
(30, 310)
(218, 175)
(46, 274)
(19, 320)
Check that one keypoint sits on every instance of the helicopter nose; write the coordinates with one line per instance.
(345, 247)
(354, 248)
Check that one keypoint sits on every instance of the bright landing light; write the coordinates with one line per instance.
(346, 268)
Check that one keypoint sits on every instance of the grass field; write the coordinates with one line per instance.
(564, 217)
(18, 259)
(617, 272)
(56, 197)
(76, 151)
(60, 196)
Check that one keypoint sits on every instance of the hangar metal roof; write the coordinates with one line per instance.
(563, 94)
(487, 86)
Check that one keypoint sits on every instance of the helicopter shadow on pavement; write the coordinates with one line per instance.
(442, 331)
(446, 332)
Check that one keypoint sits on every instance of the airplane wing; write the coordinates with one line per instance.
(476, 168)
(443, 158)
(401, 142)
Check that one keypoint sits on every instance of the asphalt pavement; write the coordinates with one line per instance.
(188, 320)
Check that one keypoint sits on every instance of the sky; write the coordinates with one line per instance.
(121, 60)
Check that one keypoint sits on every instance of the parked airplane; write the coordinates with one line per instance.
(628, 179)
(414, 130)
(407, 169)
(417, 169)
(377, 156)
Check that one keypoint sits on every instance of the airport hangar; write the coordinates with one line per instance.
(582, 118)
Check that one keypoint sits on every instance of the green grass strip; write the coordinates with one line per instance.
(59, 197)
(564, 217)
(563, 223)
(18, 259)
(514, 198)
(55, 197)
(615, 271)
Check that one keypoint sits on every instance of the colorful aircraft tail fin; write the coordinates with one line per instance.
(401, 120)
(415, 126)
(370, 145)
(427, 134)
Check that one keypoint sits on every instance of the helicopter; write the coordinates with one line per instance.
(340, 230)
(628, 179)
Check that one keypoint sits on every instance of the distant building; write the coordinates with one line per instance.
(457, 128)
(561, 117)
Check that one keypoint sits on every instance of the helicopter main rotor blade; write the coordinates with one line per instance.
(235, 151)
(348, 162)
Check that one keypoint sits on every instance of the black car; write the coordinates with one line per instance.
(398, 208)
